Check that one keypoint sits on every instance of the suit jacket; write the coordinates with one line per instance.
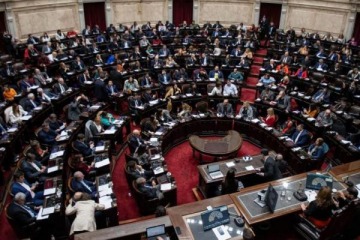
(100, 91)
(224, 110)
(114, 89)
(20, 215)
(212, 74)
(303, 139)
(16, 188)
(285, 59)
(28, 106)
(147, 97)
(164, 52)
(148, 191)
(40, 78)
(145, 81)
(162, 78)
(83, 148)
(24, 85)
(47, 138)
(318, 151)
(30, 172)
(79, 187)
(74, 111)
(323, 66)
(271, 169)
(85, 215)
(136, 144)
(78, 66)
(57, 88)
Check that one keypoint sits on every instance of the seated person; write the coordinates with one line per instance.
(283, 101)
(74, 110)
(130, 85)
(217, 90)
(321, 96)
(301, 136)
(301, 72)
(270, 65)
(230, 89)
(136, 171)
(163, 115)
(31, 103)
(136, 144)
(43, 97)
(79, 184)
(9, 93)
(318, 149)
(282, 69)
(267, 94)
(236, 76)
(149, 126)
(246, 112)
(288, 127)
(21, 185)
(148, 96)
(42, 154)
(216, 73)
(230, 184)
(319, 211)
(150, 191)
(34, 171)
(320, 65)
(106, 119)
(243, 63)
(267, 80)
(55, 124)
(271, 170)
(270, 118)
(15, 114)
(164, 78)
(200, 74)
(185, 110)
(111, 88)
(344, 198)
(47, 136)
(325, 118)
(172, 91)
(146, 81)
(312, 111)
(96, 128)
(60, 87)
(224, 108)
(85, 149)
(78, 164)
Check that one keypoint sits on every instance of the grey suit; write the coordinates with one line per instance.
(224, 109)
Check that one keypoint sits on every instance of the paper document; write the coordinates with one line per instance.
(49, 191)
(56, 154)
(95, 107)
(52, 169)
(249, 168)
(110, 131)
(102, 163)
(106, 200)
(165, 186)
(221, 233)
(11, 130)
(40, 215)
(100, 148)
(104, 192)
(230, 164)
(104, 187)
(118, 122)
(158, 170)
(49, 210)
(311, 194)
(27, 117)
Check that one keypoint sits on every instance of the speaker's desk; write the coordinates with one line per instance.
(253, 213)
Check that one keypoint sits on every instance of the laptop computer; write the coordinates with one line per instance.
(157, 231)
(214, 171)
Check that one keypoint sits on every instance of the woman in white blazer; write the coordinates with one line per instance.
(85, 213)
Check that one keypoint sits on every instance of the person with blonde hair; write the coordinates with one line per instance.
(270, 118)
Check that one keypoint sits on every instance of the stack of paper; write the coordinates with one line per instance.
(165, 186)
(56, 154)
(99, 148)
(49, 191)
(102, 163)
(52, 169)
(249, 168)
(106, 201)
(230, 164)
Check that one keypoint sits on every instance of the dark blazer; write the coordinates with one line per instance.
(145, 81)
(133, 101)
(134, 144)
(30, 172)
(57, 89)
(225, 110)
(16, 188)
(74, 111)
(147, 97)
(20, 215)
(303, 139)
(78, 66)
(271, 169)
(24, 85)
(55, 125)
(148, 191)
(108, 89)
(78, 187)
(161, 78)
(47, 138)
(100, 91)
(288, 59)
(83, 148)
(28, 106)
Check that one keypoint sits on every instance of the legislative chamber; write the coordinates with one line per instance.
(179, 119)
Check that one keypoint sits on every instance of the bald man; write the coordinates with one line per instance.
(136, 143)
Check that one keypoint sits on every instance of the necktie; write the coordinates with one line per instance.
(62, 89)
(32, 102)
(26, 208)
(112, 89)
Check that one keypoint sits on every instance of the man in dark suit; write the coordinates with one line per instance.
(137, 171)
(146, 81)
(78, 64)
(164, 51)
(321, 66)
(60, 87)
(31, 103)
(80, 145)
(111, 88)
(54, 123)
(301, 136)
(164, 78)
(79, 184)
(33, 169)
(270, 66)
(21, 185)
(225, 108)
(150, 191)
(136, 143)
(271, 170)
(271, 30)
(216, 73)
(100, 91)
(26, 84)
(46, 135)
(286, 58)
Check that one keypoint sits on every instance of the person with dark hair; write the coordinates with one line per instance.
(318, 149)
(150, 191)
(46, 135)
(248, 234)
(319, 211)
(344, 198)
(42, 154)
(33, 169)
(78, 164)
(137, 171)
(21, 185)
(83, 148)
(230, 184)
(270, 171)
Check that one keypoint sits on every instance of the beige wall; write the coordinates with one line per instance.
(37, 16)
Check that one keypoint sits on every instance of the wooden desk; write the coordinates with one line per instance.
(227, 146)
(127, 231)
(245, 199)
(179, 214)
(347, 171)
(206, 183)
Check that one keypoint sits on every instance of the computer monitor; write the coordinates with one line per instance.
(271, 198)
(215, 217)
(155, 231)
(317, 181)
(213, 168)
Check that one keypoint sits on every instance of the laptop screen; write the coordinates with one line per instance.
(155, 231)
(213, 168)
(215, 217)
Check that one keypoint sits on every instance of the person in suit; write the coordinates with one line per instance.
(85, 149)
(33, 169)
(136, 143)
(46, 135)
(111, 88)
(321, 96)
(44, 98)
(301, 136)
(60, 87)
(21, 185)
(286, 59)
(74, 108)
(31, 103)
(270, 66)
(270, 33)
(84, 209)
(216, 73)
(320, 65)
(85, 77)
(224, 108)
(164, 51)
(136, 171)
(54, 123)
(146, 81)
(78, 64)
(205, 60)
(271, 170)
(100, 91)
(164, 78)
(41, 153)
(325, 118)
(192, 60)
(283, 101)
(236, 52)
(96, 128)
(318, 149)
(40, 77)
(150, 191)
(26, 84)
(79, 184)
(246, 112)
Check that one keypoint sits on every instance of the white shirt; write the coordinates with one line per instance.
(34, 166)
(27, 187)
(230, 90)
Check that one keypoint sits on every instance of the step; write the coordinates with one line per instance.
(248, 94)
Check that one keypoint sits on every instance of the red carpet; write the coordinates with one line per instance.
(252, 81)
(248, 94)
(255, 69)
